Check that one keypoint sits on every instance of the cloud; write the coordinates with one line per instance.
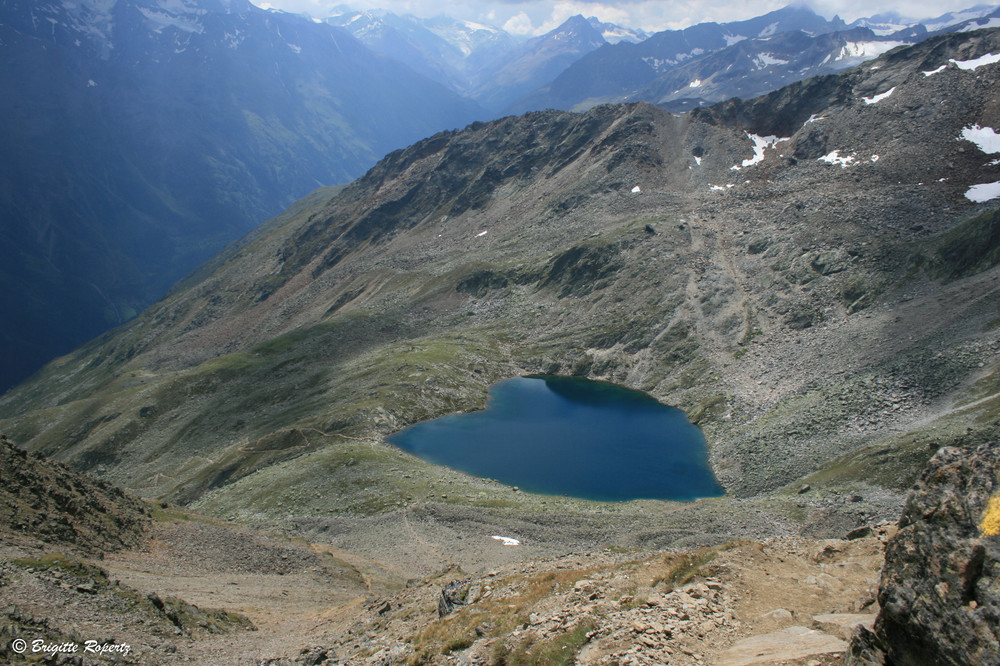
(519, 24)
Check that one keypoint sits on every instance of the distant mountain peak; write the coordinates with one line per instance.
(577, 26)
(613, 33)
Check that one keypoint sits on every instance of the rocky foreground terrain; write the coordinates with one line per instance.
(175, 587)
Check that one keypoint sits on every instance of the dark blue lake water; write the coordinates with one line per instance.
(571, 436)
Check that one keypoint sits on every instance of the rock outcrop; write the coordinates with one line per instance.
(939, 593)
(45, 500)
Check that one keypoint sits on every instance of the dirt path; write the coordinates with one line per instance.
(295, 594)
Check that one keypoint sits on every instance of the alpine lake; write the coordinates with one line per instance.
(555, 435)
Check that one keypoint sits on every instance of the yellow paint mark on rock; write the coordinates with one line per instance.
(991, 519)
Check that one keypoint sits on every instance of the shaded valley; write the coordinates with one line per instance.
(146, 135)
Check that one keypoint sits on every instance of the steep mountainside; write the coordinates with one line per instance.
(144, 135)
(823, 306)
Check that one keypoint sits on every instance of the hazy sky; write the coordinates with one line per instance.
(531, 18)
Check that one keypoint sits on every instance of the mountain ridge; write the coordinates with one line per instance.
(653, 69)
(624, 67)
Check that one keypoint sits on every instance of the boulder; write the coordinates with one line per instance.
(453, 596)
(792, 644)
(842, 624)
(940, 592)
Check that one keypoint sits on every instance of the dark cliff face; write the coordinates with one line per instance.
(809, 297)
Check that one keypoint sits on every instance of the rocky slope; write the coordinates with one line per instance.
(90, 575)
(824, 308)
(783, 601)
(774, 601)
(47, 501)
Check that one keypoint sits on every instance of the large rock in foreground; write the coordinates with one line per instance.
(940, 593)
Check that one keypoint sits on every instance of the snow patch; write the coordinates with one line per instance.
(91, 83)
(991, 23)
(835, 158)
(295, 47)
(181, 6)
(697, 160)
(936, 71)
(766, 60)
(878, 98)
(769, 30)
(317, 20)
(658, 64)
(983, 192)
(866, 50)
(480, 235)
(233, 39)
(874, 158)
(636, 190)
(972, 65)
(813, 118)
(985, 138)
(760, 144)
(695, 84)
(507, 541)
(955, 18)
(733, 39)
(161, 20)
(883, 28)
